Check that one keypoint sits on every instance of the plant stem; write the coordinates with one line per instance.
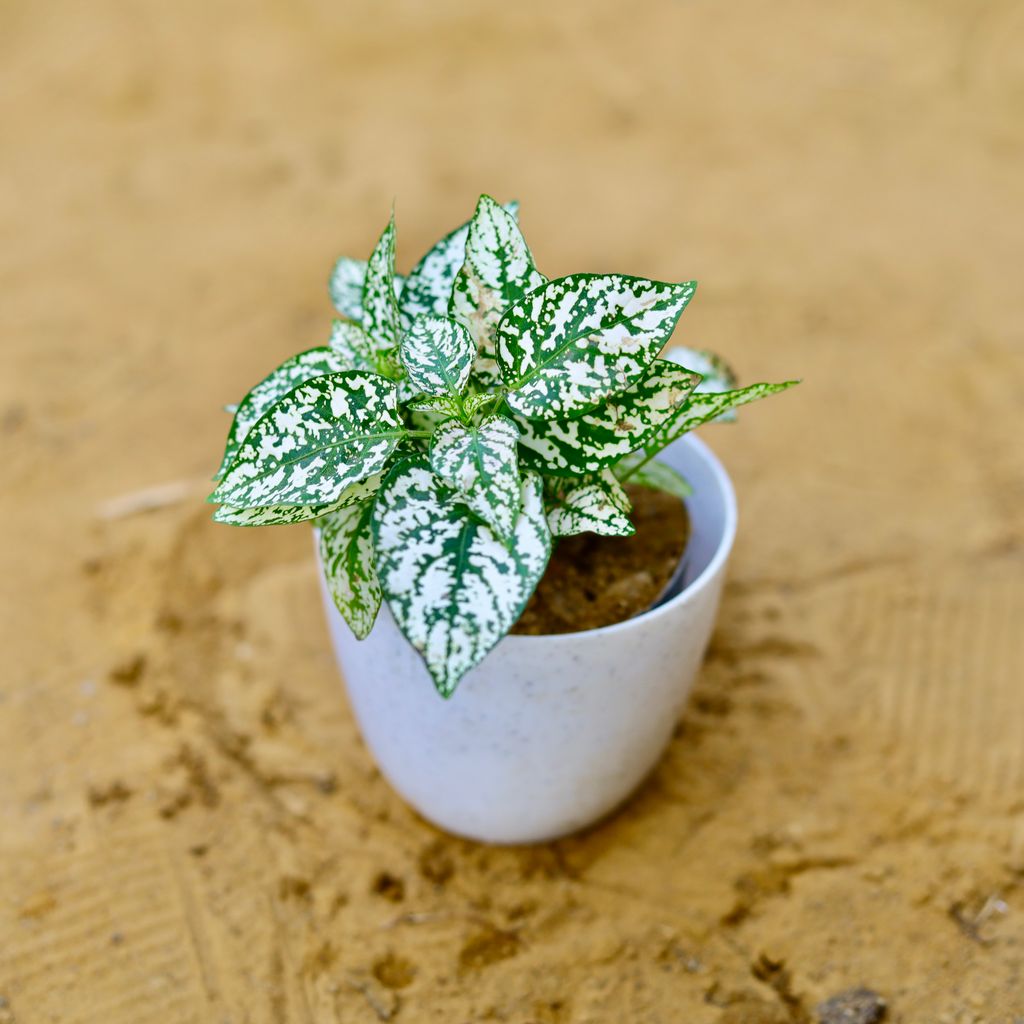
(502, 404)
(648, 455)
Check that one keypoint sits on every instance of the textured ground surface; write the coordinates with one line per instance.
(191, 828)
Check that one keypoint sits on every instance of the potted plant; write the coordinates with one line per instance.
(462, 423)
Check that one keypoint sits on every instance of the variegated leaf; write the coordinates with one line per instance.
(437, 353)
(428, 288)
(703, 408)
(346, 287)
(579, 339)
(292, 372)
(380, 307)
(454, 588)
(716, 374)
(590, 504)
(284, 515)
(269, 515)
(406, 391)
(443, 404)
(498, 270)
(474, 403)
(625, 422)
(321, 437)
(480, 463)
(448, 406)
(353, 346)
(347, 552)
(658, 476)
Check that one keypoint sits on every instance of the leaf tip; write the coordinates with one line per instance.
(446, 688)
(360, 632)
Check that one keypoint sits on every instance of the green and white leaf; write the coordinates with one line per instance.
(284, 515)
(380, 306)
(480, 463)
(474, 403)
(703, 408)
(443, 404)
(437, 353)
(406, 392)
(326, 434)
(347, 553)
(590, 504)
(454, 589)
(605, 435)
(498, 270)
(658, 476)
(447, 405)
(354, 347)
(577, 340)
(292, 372)
(428, 288)
(716, 373)
(346, 287)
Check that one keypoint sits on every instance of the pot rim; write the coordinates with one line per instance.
(710, 571)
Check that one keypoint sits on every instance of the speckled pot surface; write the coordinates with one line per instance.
(548, 733)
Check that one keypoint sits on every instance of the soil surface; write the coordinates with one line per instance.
(594, 581)
(192, 829)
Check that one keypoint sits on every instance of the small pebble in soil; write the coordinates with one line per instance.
(855, 1006)
(128, 672)
(390, 887)
(435, 863)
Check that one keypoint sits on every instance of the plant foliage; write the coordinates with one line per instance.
(462, 418)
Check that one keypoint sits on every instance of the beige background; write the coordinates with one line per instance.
(192, 830)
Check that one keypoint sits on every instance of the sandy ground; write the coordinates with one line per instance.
(192, 830)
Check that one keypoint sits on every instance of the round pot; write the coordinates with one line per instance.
(548, 733)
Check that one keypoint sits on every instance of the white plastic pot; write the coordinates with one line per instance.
(548, 733)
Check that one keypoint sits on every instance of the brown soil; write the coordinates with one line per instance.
(192, 829)
(594, 581)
